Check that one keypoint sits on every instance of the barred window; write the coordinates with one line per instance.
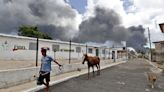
(55, 48)
(162, 46)
(103, 51)
(32, 46)
(78, 49)
(90, 50)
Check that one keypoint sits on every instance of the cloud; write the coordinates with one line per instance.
(67, 1)
(104, 19)
(137, 12)
(49, 13)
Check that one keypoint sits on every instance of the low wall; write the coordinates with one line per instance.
(17, 76)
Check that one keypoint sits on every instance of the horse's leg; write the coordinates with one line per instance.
(97, 69)
(93, 71)
(88, 71)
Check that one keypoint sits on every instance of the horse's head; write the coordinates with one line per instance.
(85, 58)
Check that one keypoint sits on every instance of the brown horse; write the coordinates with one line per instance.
(92, 61)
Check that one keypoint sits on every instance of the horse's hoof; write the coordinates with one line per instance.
(93, 75)
(88, 78)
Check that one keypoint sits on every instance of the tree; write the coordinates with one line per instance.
(32, 31)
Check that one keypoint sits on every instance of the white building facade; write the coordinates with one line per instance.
(24, 49)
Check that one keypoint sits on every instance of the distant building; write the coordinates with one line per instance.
(158, 53)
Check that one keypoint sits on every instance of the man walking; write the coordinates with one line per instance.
(45, 69)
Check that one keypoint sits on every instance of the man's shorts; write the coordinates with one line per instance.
(43, 75)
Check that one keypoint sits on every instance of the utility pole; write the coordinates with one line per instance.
(86, 49)
(127, 56)
(37, 49)
(69, 51)
(150, 45)
(113, 53)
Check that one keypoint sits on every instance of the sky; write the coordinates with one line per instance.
(78, 4)
(86, 20)
(148, 13)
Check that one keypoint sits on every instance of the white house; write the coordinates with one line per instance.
(24, 49)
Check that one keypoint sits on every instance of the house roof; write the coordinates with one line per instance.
(158, 42)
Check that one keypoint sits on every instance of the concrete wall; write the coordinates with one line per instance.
(8, 44)
(7, 51)
(17, 76)
(14, 77)
(157, 46)
(158, 54)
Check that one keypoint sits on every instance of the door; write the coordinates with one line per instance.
(97, 52)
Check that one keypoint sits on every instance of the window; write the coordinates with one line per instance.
(32, 46)
(55, 48)
(162, 46)
(78, 49)
(103, 51)
(89, 50)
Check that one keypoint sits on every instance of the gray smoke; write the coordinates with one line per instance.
(137, 40)
(56, 18)
(47, 14)
(105, 26)
(58, 33)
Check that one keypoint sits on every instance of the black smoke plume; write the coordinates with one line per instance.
(106, 26)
